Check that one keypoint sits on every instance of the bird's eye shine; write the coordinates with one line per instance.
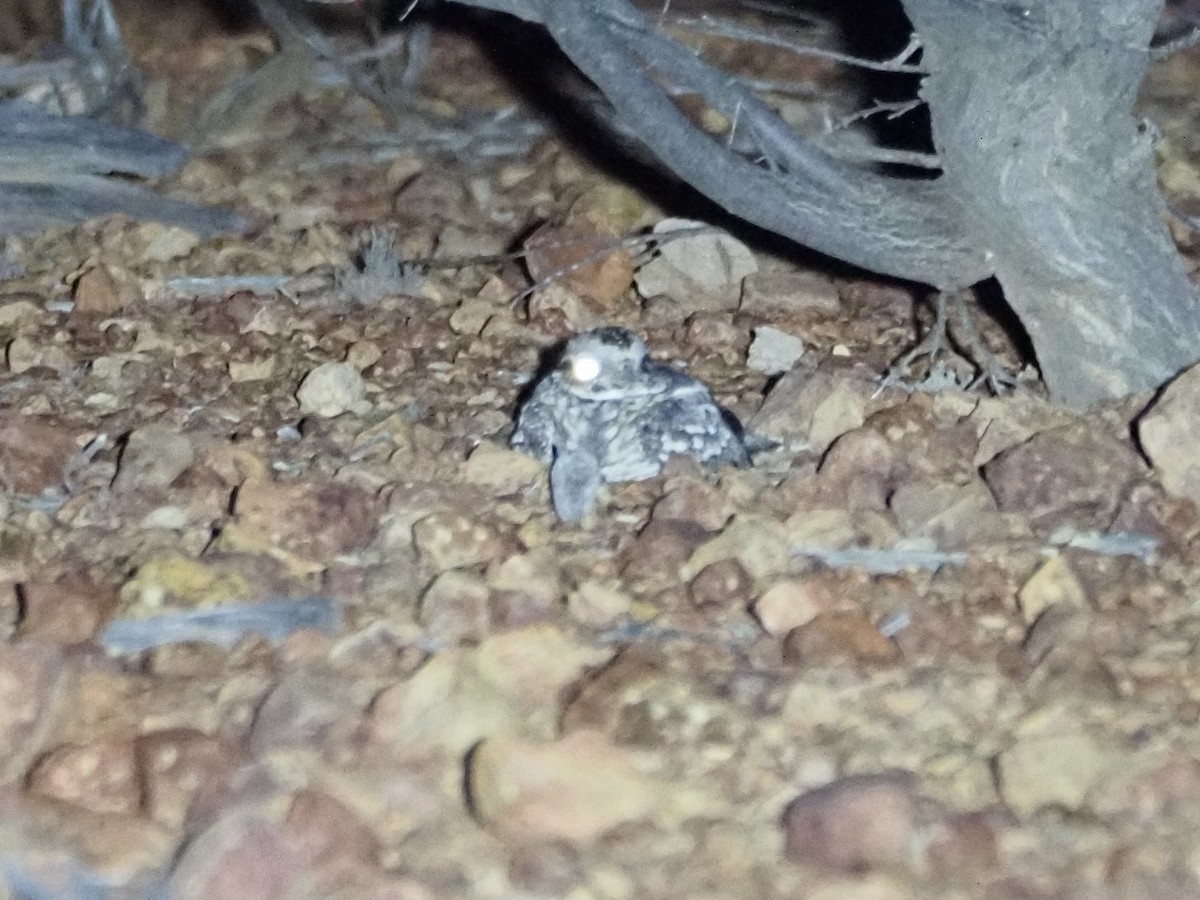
(584, 369)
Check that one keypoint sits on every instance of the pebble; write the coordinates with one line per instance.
(707, 269)
(757, 542)
(839, 639)
(153, 457)
(100, 776)
(1169, 432)
(331, 389)
(501, 470)
(1051, 770)
(597, 603)
(858, 823)
(790, 603)
(449, 540)
(812, 409)
(184, 770)
(1053, 583)
(574, 789)
(723, 584)
(67, 612)
(773, 351)
(1065, 476)
(33, 453)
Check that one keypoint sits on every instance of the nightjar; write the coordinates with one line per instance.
(608, 413)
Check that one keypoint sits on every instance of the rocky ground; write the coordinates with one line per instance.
(284, 618)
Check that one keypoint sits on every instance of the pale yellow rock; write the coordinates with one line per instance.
(253, 370)
(331, 389)
(502, 470)
(759, 543)
(575, 789)
(1053, 583)
(842, 410)
(788, 604)
(598, 604)
(1053, 770)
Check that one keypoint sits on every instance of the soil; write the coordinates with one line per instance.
(284, 617)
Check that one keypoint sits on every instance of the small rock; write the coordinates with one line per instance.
(97, 291)
(331, 389)
(33, 453)
(706, 269)
(454, 608)
(574, 789)
(502, 470)
(1169, 431)
(525, 588)
(757, 542)
(777, 291)
(31, 675)
(773, 351)
(101, 776)
(861, 470)
(241, 371)
(560, 312)
(953, 516)
(311, 520)
(67, 612)
(1053, 583)
(692, 500)
(20, 308)
(363, 354)
(238, 858)
(323, 830)
(598, 604)
(576, 257)
(1069, 475)
(306, 711)
(963, 844)
(812, 409)
(790, 603)
(182, 769)
(723, 584)
(449, 540)
(839, 639)
(661, 548)
(1051, 770)
(154, 456)
(860, 822)
(471, 316)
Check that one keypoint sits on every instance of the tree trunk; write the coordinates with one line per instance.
(1047, 179)
(1032, 111)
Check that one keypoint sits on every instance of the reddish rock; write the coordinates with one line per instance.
(306, 711)
(450, 540)
(33, 453)
(860, 470)
(723, 583)
(316, 520)
(240, 858)
(661, 548)
(839, 639)
(1070, 475)
(963, 844)
(577, 259)
(692, 500)
(64, 612)
(790, 603)
(855, 824)
(324, 830)
(184, 772)
(100, 776)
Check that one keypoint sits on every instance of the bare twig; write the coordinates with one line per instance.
(707, 24)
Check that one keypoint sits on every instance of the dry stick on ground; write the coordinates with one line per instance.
(1047, 180)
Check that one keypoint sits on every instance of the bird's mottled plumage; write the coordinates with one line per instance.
(610, 413)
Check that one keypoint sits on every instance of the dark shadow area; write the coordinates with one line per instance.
(991, 302)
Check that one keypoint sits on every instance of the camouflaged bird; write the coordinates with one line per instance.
(609, 413)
